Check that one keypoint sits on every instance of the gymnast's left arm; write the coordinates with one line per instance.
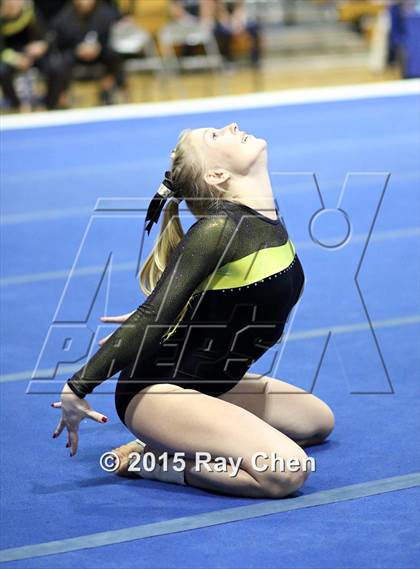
(202, 249)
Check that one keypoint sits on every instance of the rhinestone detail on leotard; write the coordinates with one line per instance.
(262, 280)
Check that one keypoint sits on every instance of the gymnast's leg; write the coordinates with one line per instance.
(172, 419)
(301, 416)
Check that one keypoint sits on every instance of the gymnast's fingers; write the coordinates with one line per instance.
(95, 416)
(59, 428)
(74, 441)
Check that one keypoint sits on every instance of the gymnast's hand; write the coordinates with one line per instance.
(73, 410)
(114, 320)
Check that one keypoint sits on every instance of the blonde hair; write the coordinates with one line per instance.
(187, 171)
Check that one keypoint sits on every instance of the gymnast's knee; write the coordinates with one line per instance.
(321, 426)
(283, 477)
(326, 423)
(282, 484)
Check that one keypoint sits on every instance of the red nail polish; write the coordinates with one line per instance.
(104, 419)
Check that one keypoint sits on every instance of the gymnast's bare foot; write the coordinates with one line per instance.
(123, 452)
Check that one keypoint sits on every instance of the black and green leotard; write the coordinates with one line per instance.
(239, 273)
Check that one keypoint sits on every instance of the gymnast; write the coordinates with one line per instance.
(218, 297)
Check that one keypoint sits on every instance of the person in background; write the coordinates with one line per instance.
(191, 11)
(396, 32)
(23, 45)
(48, 9)
(231, 20)
(82, 31)
(187, 16)
(226, 18)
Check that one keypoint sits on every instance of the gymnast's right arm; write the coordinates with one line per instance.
(201, 250)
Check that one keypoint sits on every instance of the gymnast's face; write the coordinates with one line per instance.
(228, 151)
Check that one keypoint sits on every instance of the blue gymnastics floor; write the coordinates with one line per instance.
(353, 339)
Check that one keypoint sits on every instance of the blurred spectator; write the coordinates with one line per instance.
(227, 18)
(231, 20)
(187, 17)
(396, 32)
(404, 34)
(48, 9)
(189, 10)
(82, 30)
(23, 45)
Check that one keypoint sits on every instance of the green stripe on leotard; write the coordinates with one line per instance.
(250, 269)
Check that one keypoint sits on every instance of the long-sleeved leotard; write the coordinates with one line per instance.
(240, 275)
